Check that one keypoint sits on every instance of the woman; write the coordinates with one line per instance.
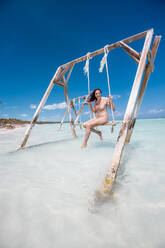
(100, 108)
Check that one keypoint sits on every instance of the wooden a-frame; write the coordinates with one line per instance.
(72, 106)
(145, 60)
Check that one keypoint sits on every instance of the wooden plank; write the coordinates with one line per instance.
(111, 123)
(109, 47)
(68, 76)
(114, 165)
(68, 108)
(143, 87)
(131, 52)
(64, 70)
(68, 102)
(73, 107)
(59, 83)
(40, 107)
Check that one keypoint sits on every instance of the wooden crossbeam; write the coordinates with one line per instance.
(130, 51)
(109, 47)
(60, 83)
(64, 70)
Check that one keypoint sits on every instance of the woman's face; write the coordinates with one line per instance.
(97, 93)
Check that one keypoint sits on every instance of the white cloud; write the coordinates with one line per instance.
(61, 105)
(116, 97)
(33, 106)
(155, 111)
(5, 115)
(23, 115)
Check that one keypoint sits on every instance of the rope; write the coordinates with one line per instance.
(79, 107)
(102, 63)
(86, 71)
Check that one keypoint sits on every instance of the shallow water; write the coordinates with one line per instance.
(47, 189)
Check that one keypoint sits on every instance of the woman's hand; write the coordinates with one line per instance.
(110, 98)
(87, 103)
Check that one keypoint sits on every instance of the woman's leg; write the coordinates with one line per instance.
(86, 125)
(97, 132)
(89, 125)
(87, 134)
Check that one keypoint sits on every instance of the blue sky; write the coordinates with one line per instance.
(37, 36)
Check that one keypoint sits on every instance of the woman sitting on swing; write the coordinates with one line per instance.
(100, 108)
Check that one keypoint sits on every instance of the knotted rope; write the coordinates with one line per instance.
(86, 71)
(102, 63)
(79, 107)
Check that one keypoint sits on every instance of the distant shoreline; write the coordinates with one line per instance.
(13, 123)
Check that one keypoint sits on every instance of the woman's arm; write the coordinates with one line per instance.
(91, 107)
(110, 103)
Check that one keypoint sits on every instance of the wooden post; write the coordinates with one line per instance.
(143, 87)
(69, 112)
(75, 112)
(131, 52)
(63, 119)
(73, 107)
(35, 117)
(68, 103)
(78, 115)
(112, 170)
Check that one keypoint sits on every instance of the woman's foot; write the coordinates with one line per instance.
(84, 145)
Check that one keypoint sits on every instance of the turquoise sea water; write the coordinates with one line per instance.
(47, 189)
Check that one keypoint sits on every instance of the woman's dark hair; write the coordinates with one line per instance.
(92, 96)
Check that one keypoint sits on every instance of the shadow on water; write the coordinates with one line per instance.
(104, 144)
(98, 201)
(42, 144)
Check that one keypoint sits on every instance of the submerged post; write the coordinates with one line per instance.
(112, 170)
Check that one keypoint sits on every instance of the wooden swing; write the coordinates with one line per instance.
(86, 70)
(144, 59)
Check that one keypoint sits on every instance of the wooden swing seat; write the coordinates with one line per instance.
(111, 123)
